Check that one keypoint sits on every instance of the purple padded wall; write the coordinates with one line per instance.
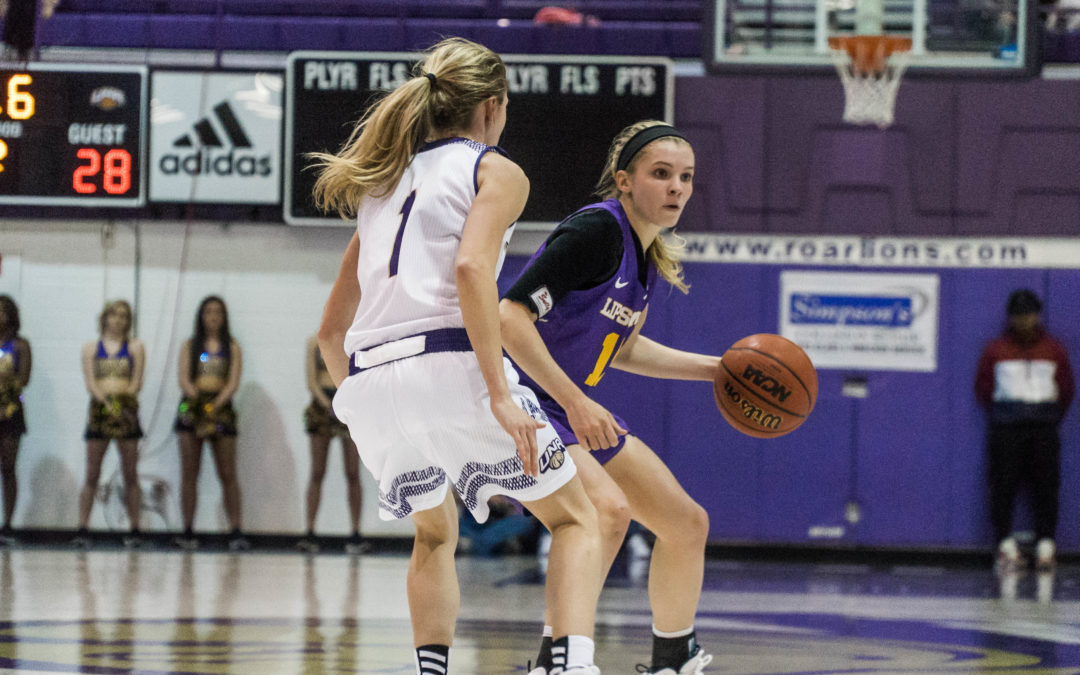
(996, 157)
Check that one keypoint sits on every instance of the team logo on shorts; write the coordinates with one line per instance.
(553, 457)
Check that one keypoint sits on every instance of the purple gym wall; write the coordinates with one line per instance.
(964, 158)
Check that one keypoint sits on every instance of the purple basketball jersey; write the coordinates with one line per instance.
(586, 328)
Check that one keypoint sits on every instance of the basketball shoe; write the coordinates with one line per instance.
(1008, 555)
(1044, 555)
(577, 670)
(695, 665)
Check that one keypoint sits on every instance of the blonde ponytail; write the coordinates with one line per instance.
(452, 80)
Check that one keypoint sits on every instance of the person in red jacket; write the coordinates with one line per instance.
(1025, 382)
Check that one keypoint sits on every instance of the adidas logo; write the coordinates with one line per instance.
(225, 153)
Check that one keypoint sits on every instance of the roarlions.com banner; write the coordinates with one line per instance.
(967, 252)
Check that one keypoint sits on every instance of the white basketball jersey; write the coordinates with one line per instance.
(409, 241)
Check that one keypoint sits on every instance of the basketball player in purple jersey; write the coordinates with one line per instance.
(577, 308)
(410, 335)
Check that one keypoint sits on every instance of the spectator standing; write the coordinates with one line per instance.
(1025, 382)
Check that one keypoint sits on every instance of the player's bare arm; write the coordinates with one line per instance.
(500, 199)
(592, 423)
(338, 313)
(643, 356)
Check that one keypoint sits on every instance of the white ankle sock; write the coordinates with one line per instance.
(579, 651)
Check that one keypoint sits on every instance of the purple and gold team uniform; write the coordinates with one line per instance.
(196, 415)
(12, 418)
(585, 327)
(117, 418)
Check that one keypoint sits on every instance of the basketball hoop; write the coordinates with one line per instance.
(870, 68)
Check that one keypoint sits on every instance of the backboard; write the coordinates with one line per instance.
(949, 37)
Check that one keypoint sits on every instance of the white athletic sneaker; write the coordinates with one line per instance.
(694, 666)
(582, 670)
(539, 670)
(1044, 554)
(1008, 554)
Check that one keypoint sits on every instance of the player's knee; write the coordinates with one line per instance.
(688, 528)
(613, 515)
(697, 525)
(431, 537)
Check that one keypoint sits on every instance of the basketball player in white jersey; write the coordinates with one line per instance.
(411, 336)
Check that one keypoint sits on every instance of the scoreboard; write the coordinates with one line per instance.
(76, 134)
(72, 135)
(563, 114)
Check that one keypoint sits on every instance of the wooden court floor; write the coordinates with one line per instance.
(158, 610)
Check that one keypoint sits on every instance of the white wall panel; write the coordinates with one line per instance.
(274, 280)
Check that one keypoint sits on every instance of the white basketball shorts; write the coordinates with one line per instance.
(421, 420)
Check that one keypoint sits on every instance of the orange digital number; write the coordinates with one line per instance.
(85, 171)
(116, 179)
(20, 104)
(3, 153)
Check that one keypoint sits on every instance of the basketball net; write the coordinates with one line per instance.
(870, 68)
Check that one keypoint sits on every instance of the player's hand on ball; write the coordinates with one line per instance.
(593, 425)
(522, 428)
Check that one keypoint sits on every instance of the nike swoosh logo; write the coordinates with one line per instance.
(622, 285)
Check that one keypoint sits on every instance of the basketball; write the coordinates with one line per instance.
(765, 386)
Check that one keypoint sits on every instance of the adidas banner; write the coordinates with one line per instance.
(215, 137)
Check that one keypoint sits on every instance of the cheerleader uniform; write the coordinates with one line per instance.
(118, 417)
(196, 415)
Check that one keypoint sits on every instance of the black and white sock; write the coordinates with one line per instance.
(543, 659)
(432, 659)
(672, 650)
(572, 651)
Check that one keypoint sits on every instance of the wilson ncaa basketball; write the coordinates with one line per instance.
(765, 386)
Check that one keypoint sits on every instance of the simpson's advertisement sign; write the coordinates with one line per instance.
(855, 321)
(216, 137)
